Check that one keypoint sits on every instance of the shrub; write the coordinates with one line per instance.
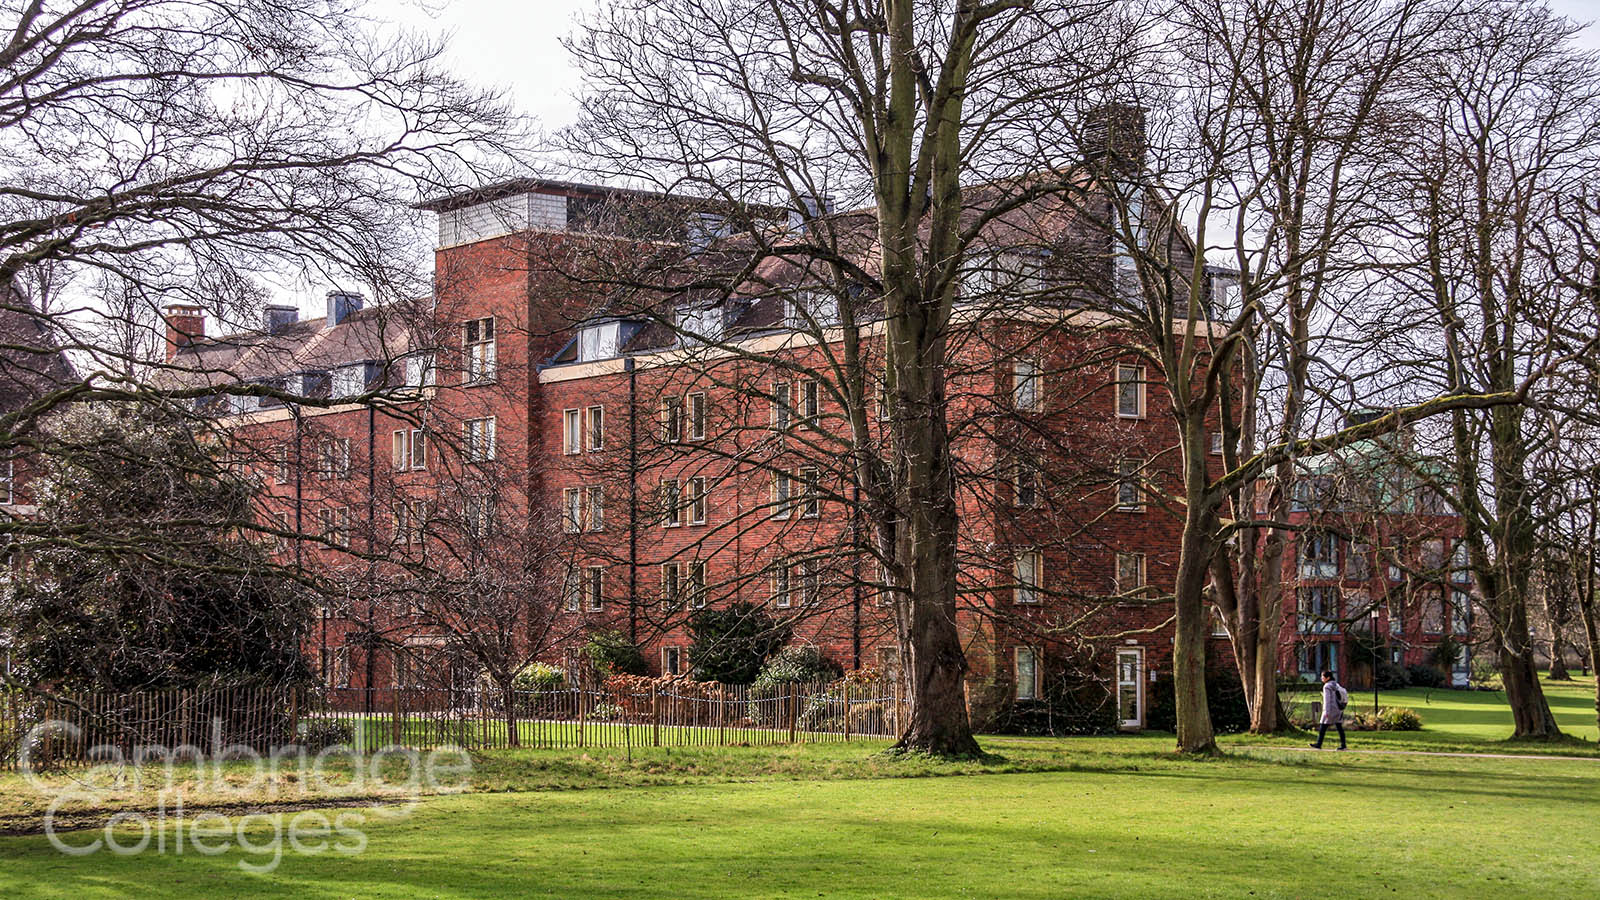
(320, 734)
(611, 653)
(540, 677)
(1399, 718)
(797, 665)
(1224, 698)
(1392, 677)
(730, 645)
(1425, 676)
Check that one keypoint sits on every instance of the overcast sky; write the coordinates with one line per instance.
(515, 44)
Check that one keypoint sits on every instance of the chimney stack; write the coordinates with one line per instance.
(340, 305)
(185, 325)
(1114, 135)
(278, 318)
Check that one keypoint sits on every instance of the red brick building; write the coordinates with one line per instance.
(691, 456)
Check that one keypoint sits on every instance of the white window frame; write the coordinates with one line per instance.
(478, 338)
(595, 429)
(671, 502)
(594, 581)
(671, 585)
(699, 502)
(1028, 573)
(696, 595)
(1025, 385)
(809, 479)
(1026, 688)
(1133, 480)
(571, 510)
(782, 405)
(1120, 576)
(1134, 376)
(480, 439)
(571, 432)
(697, 413)
(783, 584)
(594, 507)
(1137, 682)
(782, 494)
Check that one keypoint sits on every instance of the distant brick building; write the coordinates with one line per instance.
(696, 466)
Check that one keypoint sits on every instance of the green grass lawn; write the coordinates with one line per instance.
(1043, 817)
(1128, 821)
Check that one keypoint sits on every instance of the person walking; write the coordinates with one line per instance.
(1334, 698)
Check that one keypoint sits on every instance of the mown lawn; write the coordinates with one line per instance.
(1128, 823)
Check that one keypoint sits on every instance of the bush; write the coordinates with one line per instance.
(731, 645)
(320, 734)
(1224, 698)
(797, 665)
(540, 677)
(1392, 677)
(1426, 676)
(611, 653)
(1399, 718)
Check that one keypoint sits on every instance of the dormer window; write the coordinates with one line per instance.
(700, 325)
(599, 341)
(811, 309)
(349, 381)
(419, 370)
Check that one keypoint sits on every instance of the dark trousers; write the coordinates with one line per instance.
(1322, 732)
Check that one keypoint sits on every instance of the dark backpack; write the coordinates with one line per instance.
(1342, 695)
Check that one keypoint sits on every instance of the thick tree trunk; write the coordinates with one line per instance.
(1530, 711)
(1195, 734)
(1558, 657)
(1591, 628)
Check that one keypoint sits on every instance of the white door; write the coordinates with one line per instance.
(1130, 687)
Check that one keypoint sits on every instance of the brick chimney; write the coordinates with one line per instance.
(1114, 134)
(184, 325)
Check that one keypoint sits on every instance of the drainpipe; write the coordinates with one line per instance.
(633, 501)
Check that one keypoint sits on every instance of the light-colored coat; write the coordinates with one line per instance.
(1331, 713)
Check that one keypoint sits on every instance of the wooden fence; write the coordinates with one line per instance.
(102, 726)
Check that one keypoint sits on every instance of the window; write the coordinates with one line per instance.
(1397, 616)
(333, 459)
(782, 489)
(419, 371)
(572, 590)
(410, 449)
(280, 468)
(1216, 443)
(1025, 385)
(696, 587)
(281, 542)
(810, 404)
(597, 428)
(1027, 674)
(1358, 562)
(671, 420)
(410, 521)
(811, 498)
(1433, 554)
(1432, 605)
(593, 587)
(595, 507)
(1460, 613)
(1130, 572)
(1317, 657)
(335, 525)
(478, 342)
(697, 417)
(671, 585)
(781, 587)
(1319, 555)
(1130, 487)
(571, 510)
(1460, 564)
(672, 660)
(782, 405)
(349, 381)
(478, 515)
(811, 581)
(671, 502)
(571, 432)
(1130, 392)
(479, 439)
(1319, 608)
(810, 309)
(1025, 481)
(1027, 577)
(697, 501)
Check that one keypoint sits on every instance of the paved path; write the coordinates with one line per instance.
(1372, 752)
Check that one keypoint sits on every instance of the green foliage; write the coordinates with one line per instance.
(1224, 697)
(797, 665)
(1445, 653)
(1426, 676)
(540, 677)
(611, 653)
(147, 574)
(1392, 677)
(731, 644)
(1399, 718)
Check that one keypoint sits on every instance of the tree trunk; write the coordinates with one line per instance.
(508, 693)
(1558, 657)
(1195, 734)
(1591, 628)
(1530, 711)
